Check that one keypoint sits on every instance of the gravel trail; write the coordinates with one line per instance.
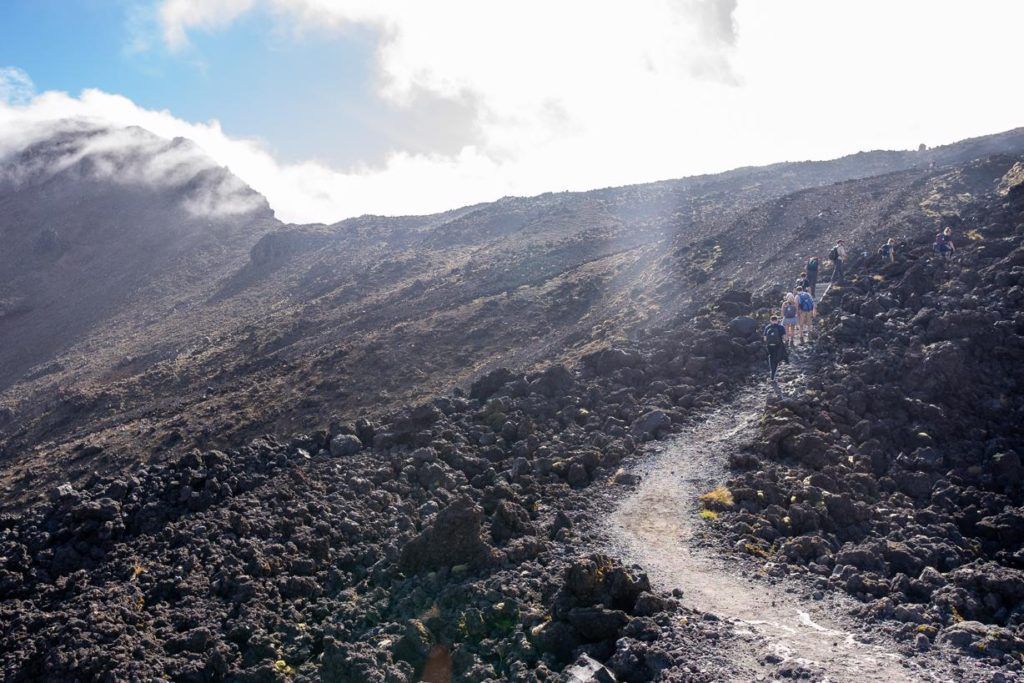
(780, 632)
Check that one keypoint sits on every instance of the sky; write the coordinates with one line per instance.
(337, 108)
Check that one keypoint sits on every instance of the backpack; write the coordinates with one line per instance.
(806, 302)
(834, 254)
(812, 265)
(773, 335)
(789, 311)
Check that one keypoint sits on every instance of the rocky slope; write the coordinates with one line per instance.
(446, 536)
(896, 474)
(442, 536)
(148, 311)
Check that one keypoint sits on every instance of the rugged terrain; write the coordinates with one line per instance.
(896, 474)
(455, 406)
(152, 306)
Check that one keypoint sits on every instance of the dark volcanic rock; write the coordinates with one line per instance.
(650, 423)
(895, 469)
(455, 538)
(743, 326)
(895, 476)
(598, 623)
(345, 444)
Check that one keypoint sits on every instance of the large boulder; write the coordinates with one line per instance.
(345, 444)
(598, 623)
(607, 361)
(453, 539)
(809, 448)
(488, 384)
(743, 326)
(586, 669)
(558, 638)
(981, 639)
(651, 422)
(415, 643)
(509, 520)
(1006, 526)
(554, 381)
(598, 580)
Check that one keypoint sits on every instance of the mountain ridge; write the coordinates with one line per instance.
(313, 322)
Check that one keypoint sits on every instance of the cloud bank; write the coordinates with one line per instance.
(581, 94)
(90, 148)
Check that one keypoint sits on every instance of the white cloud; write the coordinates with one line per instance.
(303, 192)
(15, 85)
(579, 94)
(126, 156)
(179, 16)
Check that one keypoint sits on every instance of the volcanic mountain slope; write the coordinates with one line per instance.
(151, 302)
(110, 229)
(446, 537)
(896, 475)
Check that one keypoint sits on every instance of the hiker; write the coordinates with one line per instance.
(888, 250)
(812, 274)
(774, 341)
(838, 257)
(805, 314)
(789, 318)
(802, 281)
(944, 246)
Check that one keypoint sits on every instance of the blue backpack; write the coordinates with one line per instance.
(806, 302)
(789, 311)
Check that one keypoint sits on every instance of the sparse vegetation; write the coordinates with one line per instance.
(717, 499)
(757, 550)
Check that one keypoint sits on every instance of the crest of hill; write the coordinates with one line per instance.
(131, 321)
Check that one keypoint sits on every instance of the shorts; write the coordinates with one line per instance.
(806, 318)
(789, 321)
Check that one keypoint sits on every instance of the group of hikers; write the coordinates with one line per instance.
(943, 246)
(795, 319)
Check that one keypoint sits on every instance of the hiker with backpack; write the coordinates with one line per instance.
(802, 281)
(812, 273)
(838, 256)
(789, 318)
(888, 250)
(944, 246)
(774, 341)
(805, 314)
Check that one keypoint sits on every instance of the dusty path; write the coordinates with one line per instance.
(780, 633)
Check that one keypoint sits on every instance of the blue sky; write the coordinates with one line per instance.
(334, 108)
(308, 98)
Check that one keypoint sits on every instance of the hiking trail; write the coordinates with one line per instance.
(658, 527)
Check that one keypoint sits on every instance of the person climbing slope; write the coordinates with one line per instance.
(803, 281)
(789, 318)
(805, 314)
(774, 341)
(838, 258)
(888, 250)
(812, 273)
(944, 246)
